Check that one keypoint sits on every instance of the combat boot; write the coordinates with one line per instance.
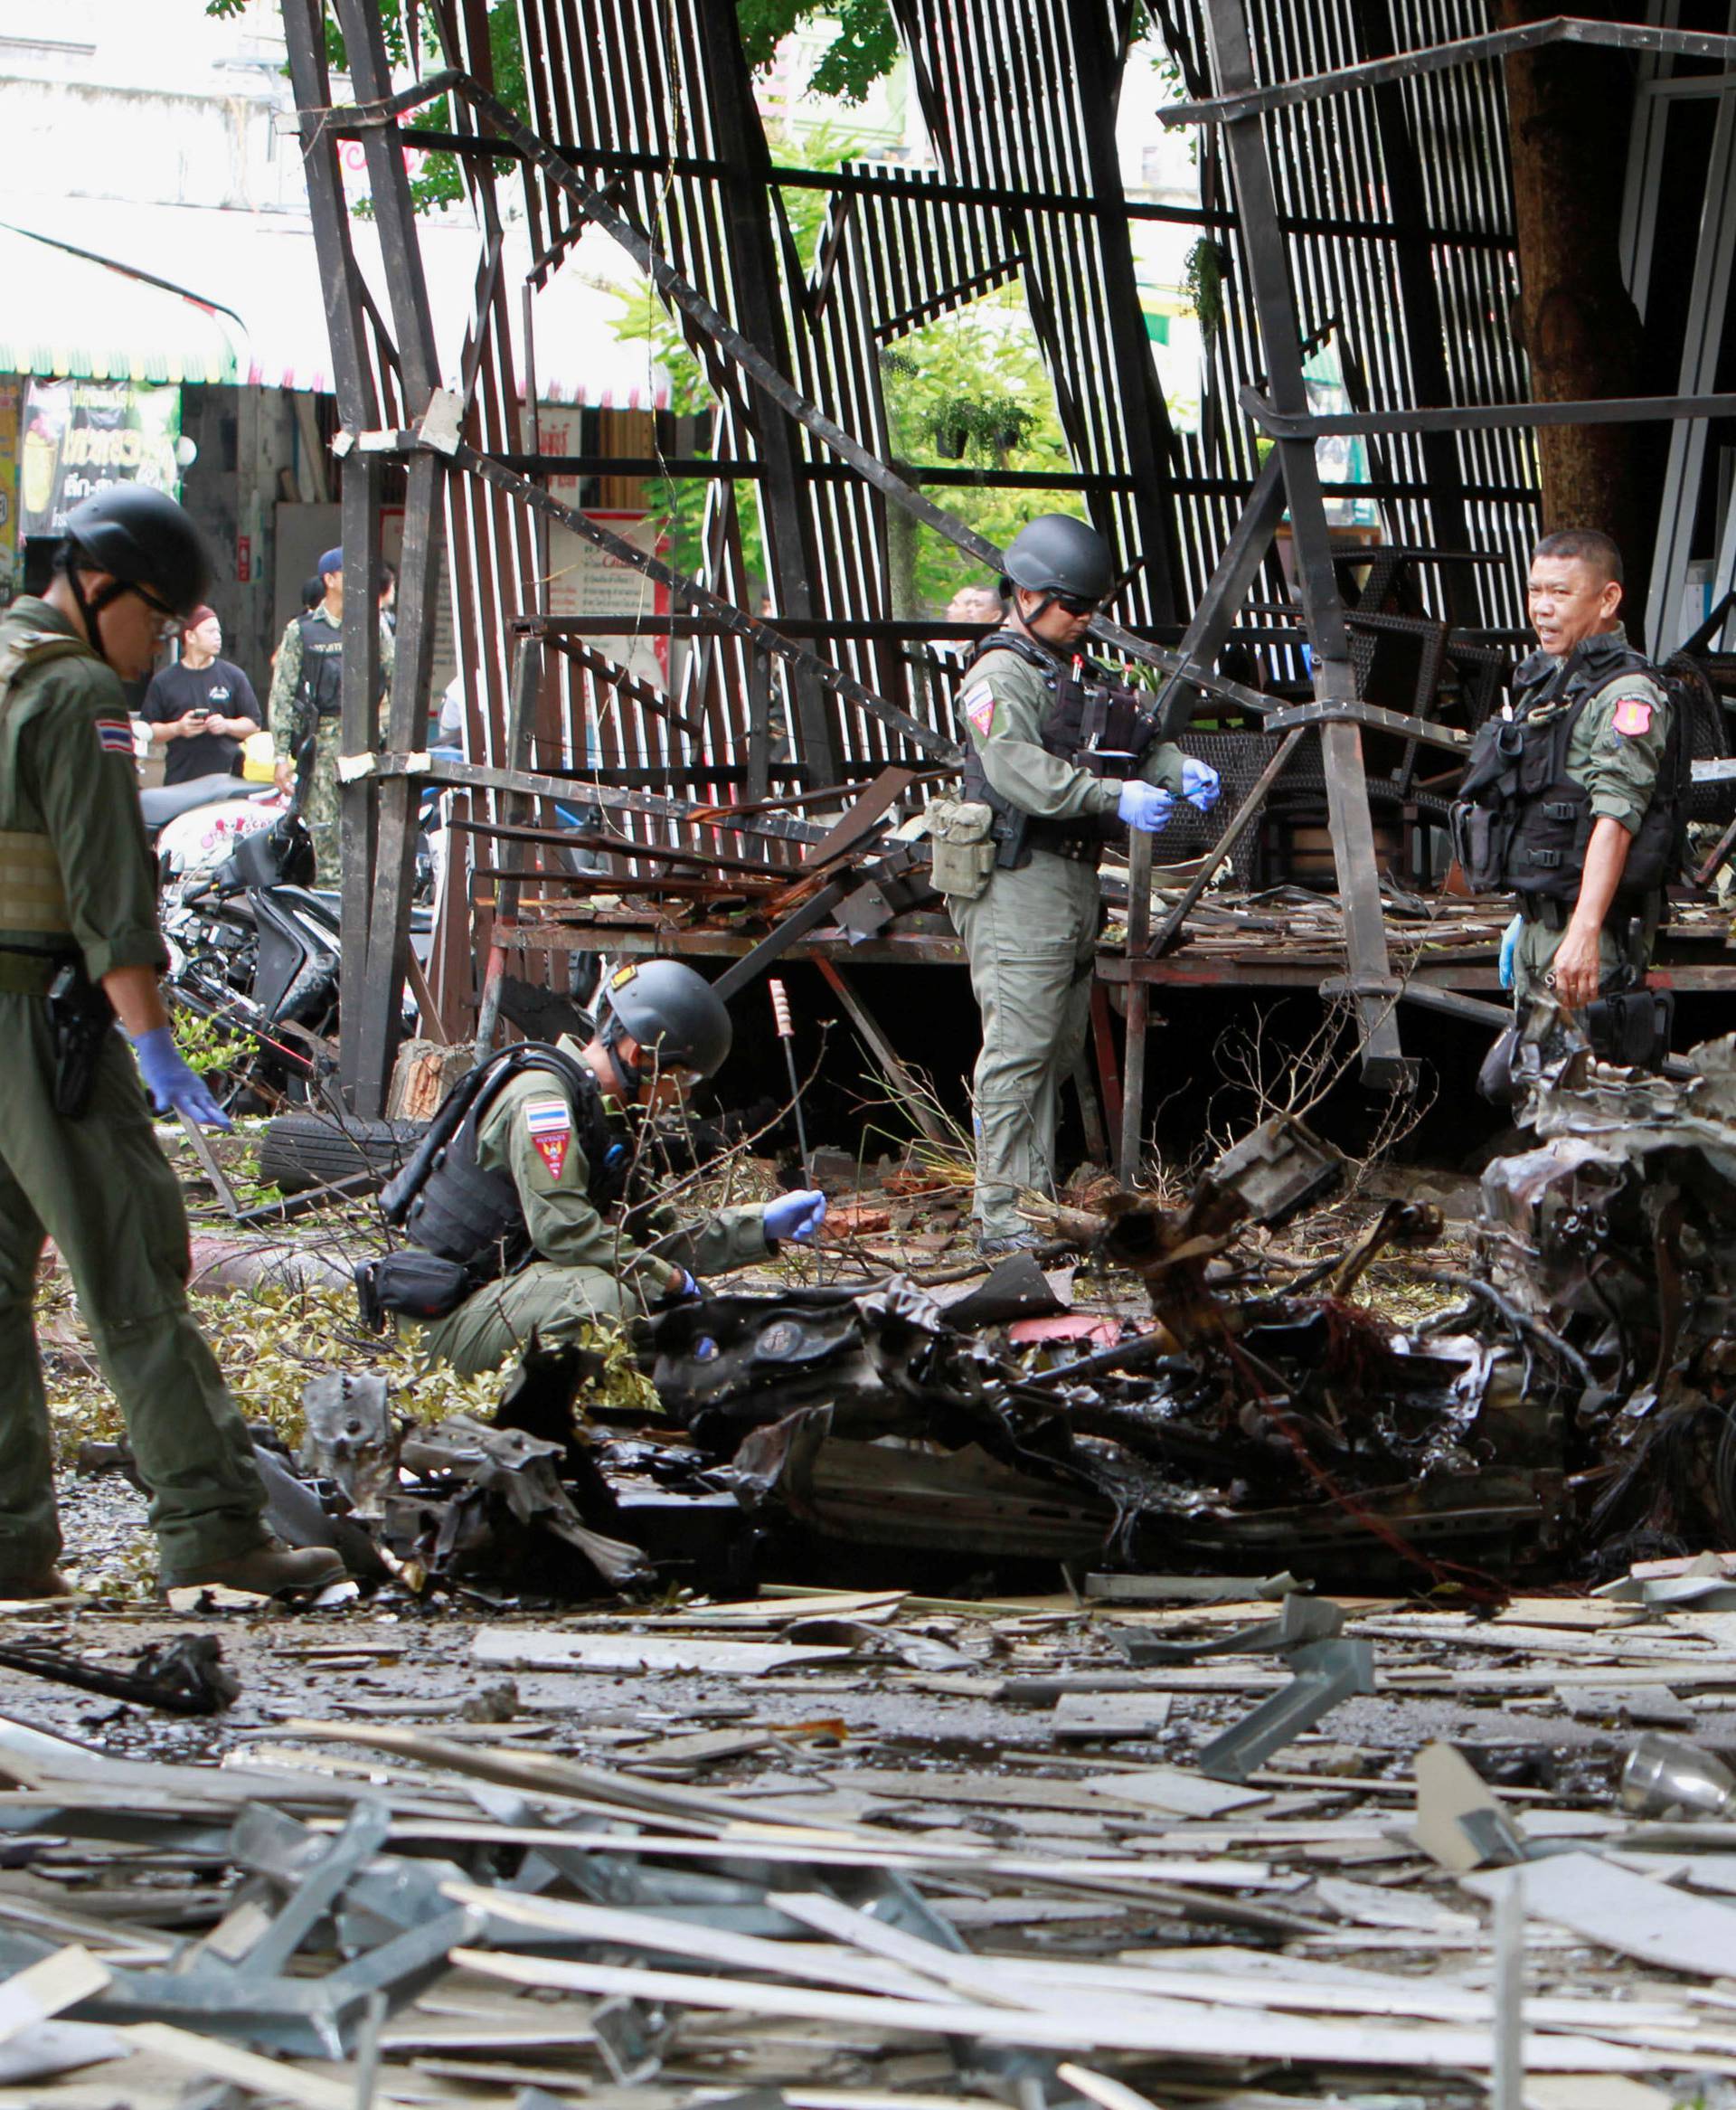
(37, 1584)
(271, 1570)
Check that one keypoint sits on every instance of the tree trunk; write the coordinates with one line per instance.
(1569, 111)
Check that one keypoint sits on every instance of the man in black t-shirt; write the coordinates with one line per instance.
(202, 707)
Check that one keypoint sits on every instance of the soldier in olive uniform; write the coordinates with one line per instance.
(520, 1182)
(79, 1163)
(1032, 935)
(1573, 794)
(304, 711)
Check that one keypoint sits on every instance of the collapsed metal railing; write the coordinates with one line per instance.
(459, 452)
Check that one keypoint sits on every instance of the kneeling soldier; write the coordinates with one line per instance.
(515, 1198)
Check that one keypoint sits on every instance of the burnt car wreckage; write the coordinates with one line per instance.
(1568, 1416)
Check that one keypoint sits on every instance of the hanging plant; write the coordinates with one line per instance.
(1202, 282)
(986, 424)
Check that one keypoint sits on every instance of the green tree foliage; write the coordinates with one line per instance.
(971, 389)
(968, 390)
(864, 50)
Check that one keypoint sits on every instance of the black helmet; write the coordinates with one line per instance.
(1055, 553)
(674, 1015)
(141, 537)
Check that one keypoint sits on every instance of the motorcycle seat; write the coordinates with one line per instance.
(167, 802)
(322, 907)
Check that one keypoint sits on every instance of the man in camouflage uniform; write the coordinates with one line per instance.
(528, 1189)
(79, 1163)
(1032, 935)
(304, 711)
(1570, 936)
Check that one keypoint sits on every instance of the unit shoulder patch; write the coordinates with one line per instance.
(1633, 716)
(977, 703)
(548, 1124)
(115, 736)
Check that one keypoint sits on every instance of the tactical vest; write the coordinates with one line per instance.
(1079, 711)
(34, 913)
(454, 1208)
(1523, 824)
(319, 691)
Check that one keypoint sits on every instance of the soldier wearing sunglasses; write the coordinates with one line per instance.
(1063, 759)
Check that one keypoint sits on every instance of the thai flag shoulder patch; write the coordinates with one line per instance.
(115, 736)
(977, 703)
(548, 1124)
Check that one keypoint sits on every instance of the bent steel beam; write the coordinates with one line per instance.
(1351, 824)
(1627, 37)
(680, 293)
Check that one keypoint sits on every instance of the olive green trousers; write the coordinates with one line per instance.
(1031, 940)
(544, 1305)
(102, 1189)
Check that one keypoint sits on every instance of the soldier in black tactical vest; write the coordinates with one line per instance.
(513, 1201)
(1573, 801)
(1061, 759)
(305, 707)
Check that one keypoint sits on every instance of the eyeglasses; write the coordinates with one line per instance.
(172, 619)
(1075, 604)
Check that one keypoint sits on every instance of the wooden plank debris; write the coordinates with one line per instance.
(512, 1648)
(955, 1874)
(1105, 1717)
(1631, 1914)
(1175, 2028)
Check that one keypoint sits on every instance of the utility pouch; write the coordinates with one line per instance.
(81, 1018)
(1631, 1027)
(1121, 730)
(1480, 836)
(414, 1283)
(961, 834)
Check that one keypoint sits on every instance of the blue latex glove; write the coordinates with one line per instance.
(797, 1215)
(1509, 947)
(1200, 783)
(1144, 806)
(171, 1084)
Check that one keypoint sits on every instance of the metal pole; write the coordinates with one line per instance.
(521, 724)
(1371, 983)
(787, 1034)
(1508, 2092)
(1227, 589)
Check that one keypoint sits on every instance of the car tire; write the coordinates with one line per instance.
(301, 1150)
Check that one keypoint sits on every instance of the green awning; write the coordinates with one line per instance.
(66, 314)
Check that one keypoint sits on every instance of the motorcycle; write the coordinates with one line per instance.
(258, 951)
(193, 827)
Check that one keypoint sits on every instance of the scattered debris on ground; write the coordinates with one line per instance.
(708, 1728)
(877, 1850)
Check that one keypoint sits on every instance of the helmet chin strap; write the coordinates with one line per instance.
(1036, 615)
(627, 1073)
(91, 607)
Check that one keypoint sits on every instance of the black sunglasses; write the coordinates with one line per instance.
(1075, 605)
(156, 601)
